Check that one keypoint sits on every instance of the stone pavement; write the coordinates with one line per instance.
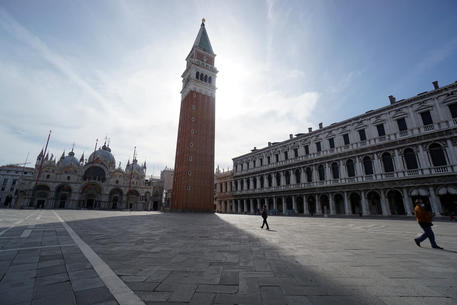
(224, 259)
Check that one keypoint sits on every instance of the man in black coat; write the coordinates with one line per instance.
(265, 216)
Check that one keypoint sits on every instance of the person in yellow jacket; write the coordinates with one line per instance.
(424, 218)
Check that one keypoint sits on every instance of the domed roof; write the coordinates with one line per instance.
(69, 161)
(103, 155)
(138, 169)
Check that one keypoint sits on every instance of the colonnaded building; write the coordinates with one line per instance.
(95, 183)
(376, 163)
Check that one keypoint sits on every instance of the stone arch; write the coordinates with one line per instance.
(387, 162)
(367, 165)
(62, 196)
(409, 156)
(350, 168)
(339, 203)
(311, 204)
(309, 174)
(335, 170)
(374, 203)
(300, 204)
(287, 177)
(396, 205)
(90, 195)
(325, 204)
(115, 198)
(297, 174)
(448, 200)
(278, 179)
(40, 195)
(356, 203)
(437, 154)
(133, 197)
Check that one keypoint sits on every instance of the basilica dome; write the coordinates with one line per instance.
(137, 169)
(103, 155)
(69, 161)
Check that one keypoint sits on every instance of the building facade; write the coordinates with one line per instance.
(10, 175)
(194, 164)
(376, 163)
(95, 183)
(223, 198)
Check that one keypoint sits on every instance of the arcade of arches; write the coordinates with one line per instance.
(387, 202)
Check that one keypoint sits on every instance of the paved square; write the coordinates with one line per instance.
(221, 259)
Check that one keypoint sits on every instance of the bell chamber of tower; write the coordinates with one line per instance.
(193, 180)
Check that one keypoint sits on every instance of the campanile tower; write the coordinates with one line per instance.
(193, 181)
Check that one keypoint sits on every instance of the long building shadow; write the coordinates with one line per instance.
(178, 258)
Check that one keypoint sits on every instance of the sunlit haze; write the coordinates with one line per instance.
(96, 69)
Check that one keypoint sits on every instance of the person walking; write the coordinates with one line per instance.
(424, 218)
(265, 216)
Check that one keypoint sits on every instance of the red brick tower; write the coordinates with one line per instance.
(193, 181)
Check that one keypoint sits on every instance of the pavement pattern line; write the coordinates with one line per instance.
(15, 224)
(38, 247)
(26, 233)
(123, 294)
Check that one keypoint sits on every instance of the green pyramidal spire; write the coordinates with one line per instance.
(202, 40)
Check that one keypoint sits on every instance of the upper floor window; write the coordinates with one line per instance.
(346, 139)
(287, 177)
(381, 130)
(309, 174)
(387, 162)
(350, 168)
(306, 150)
(268, 160)
(321, 172)
(197, 75)
(261, 161)
(209, 79)
(402, 124)
(318, 146)
(335, 170)
(453, 110)
(362, 135)
(297, 176)
(276, 158)
(368, 165)
(286, 155)
(410, 159)
(426, 118)
(295, 152)
(278, 179)
(437, 155)
(331, 142)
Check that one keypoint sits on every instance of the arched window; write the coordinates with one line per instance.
(335, 170)
(387, 162)
(236, 184)
(197, 75)
(321, 172)
(270, 180)
(254, 182)
(262, 182)
(206, 78)
(350, 168)
(410, 158)
(368, 165)
(287, 176)
(278, 179)
(201, 76)
(437, 155)
(209, 79)
(242, 184)
(309, 174)
(248, 183)
(297, 176)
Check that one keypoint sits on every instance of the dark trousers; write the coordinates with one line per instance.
(428, 233)
(265, 223)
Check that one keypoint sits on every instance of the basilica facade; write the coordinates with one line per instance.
(377, 163)
(95, 183)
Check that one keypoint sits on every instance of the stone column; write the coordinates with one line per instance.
(284, 206)
(318, 206)
(407, 203)
(275, 205)
(347, 209)
(332, 204)
(365, 210)
(424, 162)
(384, 205)
(451, 153)
(251, 183)
(293, 180)
(343, 171)
(283, 179)
(398, 161)
(328, 174)
(258, 203)
(305, 206)
(302, 175)
(238, 203)
(294, 204)
(377, 169)
(251, 204)
(273, 180)
(436, 205)
(245, 206)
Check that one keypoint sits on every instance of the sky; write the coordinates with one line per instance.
(112, 69)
